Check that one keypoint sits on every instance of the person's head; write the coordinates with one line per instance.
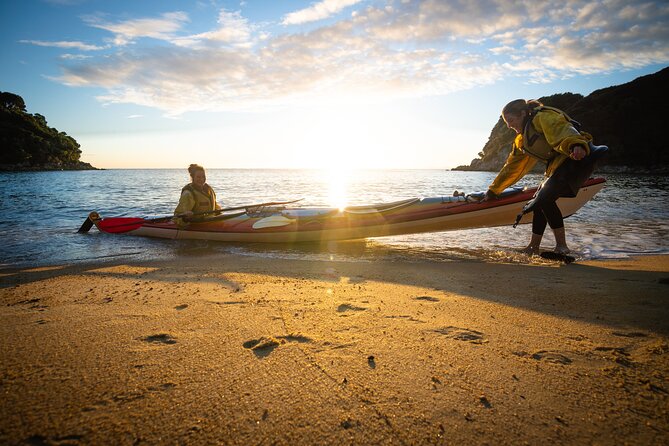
(515, 112)
(197, 174)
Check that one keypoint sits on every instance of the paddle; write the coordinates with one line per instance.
(117, 225)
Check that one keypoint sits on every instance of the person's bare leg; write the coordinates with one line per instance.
(561, 241)
(535, 243)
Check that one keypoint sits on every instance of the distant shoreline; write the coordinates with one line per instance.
(46, 167)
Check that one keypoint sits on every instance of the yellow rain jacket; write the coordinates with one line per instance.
(195, 200)
(548, 137)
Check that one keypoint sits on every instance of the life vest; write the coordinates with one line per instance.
(535, 143)
(204, 200)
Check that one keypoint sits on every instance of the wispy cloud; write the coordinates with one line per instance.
(64, 44)
(68, 56)
(415, 48)
(232, 29)
(161, 28)
(318, 11)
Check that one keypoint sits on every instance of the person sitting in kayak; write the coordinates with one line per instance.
(548, 135)
(197, 196)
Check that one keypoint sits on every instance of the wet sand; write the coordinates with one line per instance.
(242, 350)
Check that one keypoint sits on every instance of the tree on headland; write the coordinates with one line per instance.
(28, 143)
(11, 101)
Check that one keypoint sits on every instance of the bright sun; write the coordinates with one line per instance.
(338, 181)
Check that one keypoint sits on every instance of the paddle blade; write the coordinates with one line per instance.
(86, 226)
(118, 225)
(272, 221)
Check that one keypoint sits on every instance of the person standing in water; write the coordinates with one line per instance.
(197, 196)
(548, 135)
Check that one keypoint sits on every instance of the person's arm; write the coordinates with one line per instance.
(213, 195)
(516, 166)
(562, 135)
(186, 203)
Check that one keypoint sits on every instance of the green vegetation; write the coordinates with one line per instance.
(629, 118)
(28, 143)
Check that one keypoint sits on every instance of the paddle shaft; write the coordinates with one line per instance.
(236, 208)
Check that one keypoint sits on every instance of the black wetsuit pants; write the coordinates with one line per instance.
(547, 212)
(565, 182)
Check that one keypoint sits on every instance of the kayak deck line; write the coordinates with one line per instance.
(279, 224)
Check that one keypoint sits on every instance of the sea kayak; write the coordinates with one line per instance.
(280, 223)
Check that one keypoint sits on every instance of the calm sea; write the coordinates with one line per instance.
(41, 211)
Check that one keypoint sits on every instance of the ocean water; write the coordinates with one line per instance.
(40, 213)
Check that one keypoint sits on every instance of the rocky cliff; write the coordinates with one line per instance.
(629, 118)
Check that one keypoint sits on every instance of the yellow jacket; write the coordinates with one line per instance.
(195, 200)
(556, 130)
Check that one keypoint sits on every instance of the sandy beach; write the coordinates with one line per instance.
(243, 350)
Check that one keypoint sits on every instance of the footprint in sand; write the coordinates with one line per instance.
(161, 338)
(34, 304)
(36, 300)
(262, 347)
(227, 302)
(629, 334)
(39, 440)
(347, 307)
(427, 298)
(295, 338)
(619, 355)
(552, 357)
(405, 317)
(462, 334)
(162, 387)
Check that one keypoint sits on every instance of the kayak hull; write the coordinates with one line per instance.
(295, 225)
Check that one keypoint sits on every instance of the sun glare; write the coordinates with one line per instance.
(338, 182)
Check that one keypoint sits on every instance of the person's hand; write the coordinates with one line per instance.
(187, 215)
(577, 152)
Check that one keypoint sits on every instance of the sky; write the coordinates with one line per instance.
(310, 84)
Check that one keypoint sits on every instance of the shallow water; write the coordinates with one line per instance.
(41, 211)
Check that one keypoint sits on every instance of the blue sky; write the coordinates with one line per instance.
(324, 84)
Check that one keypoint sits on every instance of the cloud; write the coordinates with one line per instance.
(328, 65)
(161, 28)
(317, 11)
(64, 44)
(402, 49)
(609, 35)
(68, 56)
(434, 20)
(232, 29)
